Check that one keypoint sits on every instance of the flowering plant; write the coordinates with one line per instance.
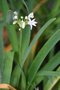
(28, 20)
(20, 67)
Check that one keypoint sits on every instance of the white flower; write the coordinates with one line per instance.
(19, 29)
(15, 17)
(15, 13)
(15, 21)
(26, 17)
(22, 17)
(31, 15)
(31, 20)
(32, 23)
(21, 24)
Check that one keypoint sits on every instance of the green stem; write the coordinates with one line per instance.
(20, 47)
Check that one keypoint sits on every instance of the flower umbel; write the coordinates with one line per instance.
(23, 21)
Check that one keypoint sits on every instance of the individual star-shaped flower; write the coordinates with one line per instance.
(32, 23)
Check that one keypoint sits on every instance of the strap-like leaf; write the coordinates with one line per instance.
(41, 56)
(48, 73)
(5, 8)
(52, 64)
(7, 67)
(36, 38)
(15, 76)
(52, 81)
(12, 37)
(25, 39)
(1, 50)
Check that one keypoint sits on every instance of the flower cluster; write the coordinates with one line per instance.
(23, 21)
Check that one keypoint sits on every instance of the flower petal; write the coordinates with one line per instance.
(31, 15)
(14, 22)
(15, 13)
(15, 17)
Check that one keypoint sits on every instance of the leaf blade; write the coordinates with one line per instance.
(8, 67)
(41, 55)
(12, 37)
(36, 38)
(1, 50)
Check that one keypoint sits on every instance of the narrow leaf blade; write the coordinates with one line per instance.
(41, 55)
(36, 38)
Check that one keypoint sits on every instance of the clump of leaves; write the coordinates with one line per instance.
(13, 63)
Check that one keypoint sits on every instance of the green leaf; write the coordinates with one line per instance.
(48, 73)
(12, 37)
(23, 82)
(11, 4)
(23, 1)
(52, 81)
(15, 76)
(4, 8)
(25, 39)
(1, 50)
(31, 4)
(36, 38)
(20, 47)
(55, 10)
(24, 42)
(41, 56)
(16, 5)
(9, 56)
(58, 85)
(51, 65)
